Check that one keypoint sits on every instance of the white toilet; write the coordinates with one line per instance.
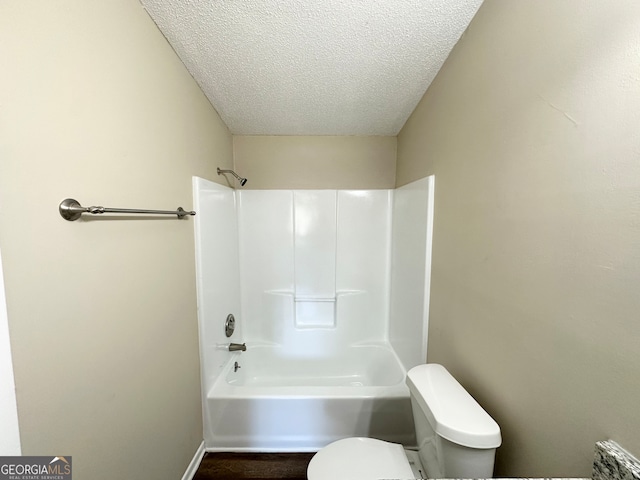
(456, 438)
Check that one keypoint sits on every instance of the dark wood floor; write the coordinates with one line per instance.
(253, 466)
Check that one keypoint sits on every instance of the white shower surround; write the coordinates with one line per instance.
(309, 276)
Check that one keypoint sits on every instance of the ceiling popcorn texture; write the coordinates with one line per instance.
(313, 67)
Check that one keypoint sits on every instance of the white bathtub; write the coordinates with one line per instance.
(276, 403)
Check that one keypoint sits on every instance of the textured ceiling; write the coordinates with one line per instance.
(313, 67)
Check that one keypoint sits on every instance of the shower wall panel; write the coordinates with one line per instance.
(265, 221)
(218, 273)
(411, 270)
(362, 262)
(315, 243)
(315, 268)
(315, 258)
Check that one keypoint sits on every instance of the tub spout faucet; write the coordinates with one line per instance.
(234, 347)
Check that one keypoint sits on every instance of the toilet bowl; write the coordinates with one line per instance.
(456, 438)
(360, 458)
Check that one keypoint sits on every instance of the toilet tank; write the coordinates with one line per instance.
(456, 437)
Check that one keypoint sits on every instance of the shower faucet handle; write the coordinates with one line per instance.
(235, 347)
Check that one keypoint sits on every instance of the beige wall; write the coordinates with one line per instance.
(532, 129)
(95, 105)
(299, 162)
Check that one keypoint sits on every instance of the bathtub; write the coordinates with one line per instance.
(278, 403)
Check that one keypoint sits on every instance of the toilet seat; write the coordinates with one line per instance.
(359, 458)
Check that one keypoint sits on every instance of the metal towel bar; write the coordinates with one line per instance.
(71, 209)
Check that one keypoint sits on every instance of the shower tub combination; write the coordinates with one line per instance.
(277, 403)
(329, 290)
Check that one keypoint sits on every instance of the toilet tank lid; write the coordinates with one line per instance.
(452, 411)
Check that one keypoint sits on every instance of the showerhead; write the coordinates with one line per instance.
(242, 180)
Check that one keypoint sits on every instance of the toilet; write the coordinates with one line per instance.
(456, 438)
